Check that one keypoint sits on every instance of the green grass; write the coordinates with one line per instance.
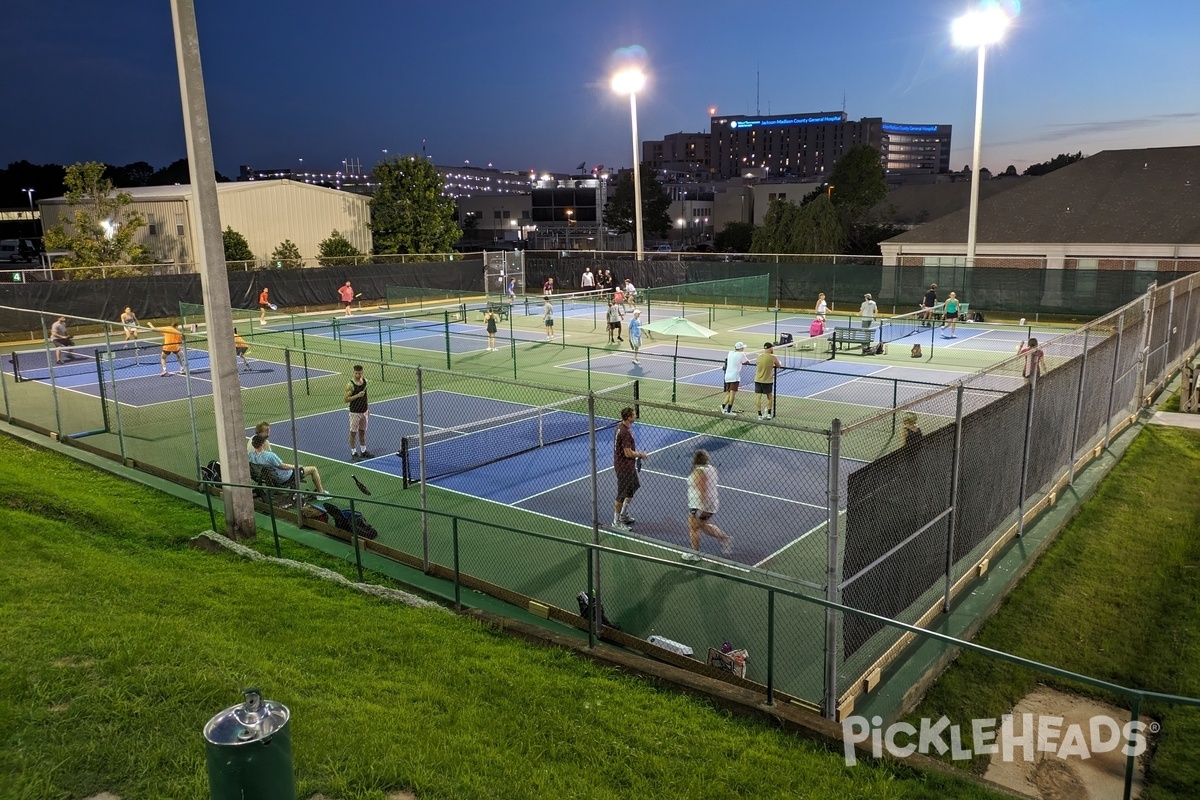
(120, 641)
(1116, 598)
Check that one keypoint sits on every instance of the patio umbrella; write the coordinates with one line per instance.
(678, 326)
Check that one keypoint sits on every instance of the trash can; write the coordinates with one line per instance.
(249, 751)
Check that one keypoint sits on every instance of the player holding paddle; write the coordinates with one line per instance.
(346, 292)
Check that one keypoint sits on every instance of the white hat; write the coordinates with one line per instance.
(637, 312)
(740, 346)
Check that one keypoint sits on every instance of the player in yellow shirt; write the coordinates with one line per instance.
(764, 380)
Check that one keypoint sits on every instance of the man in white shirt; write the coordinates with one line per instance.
(733, 376)
(867, 311)
(588, 281)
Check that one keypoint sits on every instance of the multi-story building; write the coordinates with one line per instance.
(803, 146)
(680, 156)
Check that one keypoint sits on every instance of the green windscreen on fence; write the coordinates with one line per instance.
(421, 296)
(748, 290)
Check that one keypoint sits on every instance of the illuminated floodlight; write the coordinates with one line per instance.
(980, 28)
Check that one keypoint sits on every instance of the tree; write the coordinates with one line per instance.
(136, 174)
(1058, 162)
(858, 181)
(735, 237)
(99, 229)
(656, 203)
(237, 249)
(177, 172)
(335, 250)
(286, 256)
(409, 211)
(817, 228)
(1011, 172)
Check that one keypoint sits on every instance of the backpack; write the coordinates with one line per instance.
(341, 520)
(211, 472)
(785, 338)
(977, 316)
(916, 351)
(585, 611)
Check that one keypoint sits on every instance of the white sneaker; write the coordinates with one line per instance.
(692, 556)
(727, 546)
(619, 526)
(769, 415)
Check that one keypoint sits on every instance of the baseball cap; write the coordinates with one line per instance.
(637, 312)
(769, 345)
(867, 296)
(740, 346)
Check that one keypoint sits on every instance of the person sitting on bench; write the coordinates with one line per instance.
(284, 473)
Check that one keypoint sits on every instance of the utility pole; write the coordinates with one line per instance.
(214, 281)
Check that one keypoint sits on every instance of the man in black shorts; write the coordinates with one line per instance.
(60, 339)
(625, 456)
(928, 304)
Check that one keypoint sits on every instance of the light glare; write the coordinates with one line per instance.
(980, 28)
(628, 81)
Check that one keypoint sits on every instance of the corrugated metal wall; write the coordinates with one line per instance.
(268, 212)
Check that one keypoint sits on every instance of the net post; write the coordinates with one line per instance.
(405, 470)
(832, 594)
(382, 357)
(446, 327)
(637, 396)
(99, 356)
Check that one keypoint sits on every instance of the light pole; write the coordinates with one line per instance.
(630, 81)
(570, 212)
(32, 221)
(978, 29)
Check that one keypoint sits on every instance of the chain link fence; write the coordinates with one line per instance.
(892, 508)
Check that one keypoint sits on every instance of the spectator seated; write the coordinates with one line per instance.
(269, 477)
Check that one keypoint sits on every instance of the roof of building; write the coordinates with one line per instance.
(1150, 195)
(916, 204)
(183, 191)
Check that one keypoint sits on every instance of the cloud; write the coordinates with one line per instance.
(1057, 131)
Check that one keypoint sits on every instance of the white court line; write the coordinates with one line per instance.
(803, 536)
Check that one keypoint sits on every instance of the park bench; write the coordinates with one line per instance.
(501, 310)
(852, 338)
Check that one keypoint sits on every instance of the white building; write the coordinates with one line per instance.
(265, 212)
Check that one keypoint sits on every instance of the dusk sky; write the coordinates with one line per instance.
(526, 85)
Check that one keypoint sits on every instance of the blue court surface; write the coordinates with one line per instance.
(133, 377)
(859, 381)
(554, 480)
(425, 333)
(967, 335)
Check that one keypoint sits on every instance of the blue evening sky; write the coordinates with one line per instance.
(525, 85)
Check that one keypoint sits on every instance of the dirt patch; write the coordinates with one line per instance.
(1066, 775)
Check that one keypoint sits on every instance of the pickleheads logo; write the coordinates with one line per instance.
(1034, 734)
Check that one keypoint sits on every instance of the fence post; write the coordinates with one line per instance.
(770, 647)
(287, 366)
(832, 628)
(1148, 321)
(1078, 409)
(1112, 385)
(955, 472)
(421, 471)
(191, 397)
(594, 560)
(1034, 368)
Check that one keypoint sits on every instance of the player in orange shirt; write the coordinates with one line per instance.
(172, 340)
(264, 302)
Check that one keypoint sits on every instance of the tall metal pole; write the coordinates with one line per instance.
(214, 282)
(973, 214)
(637, 182)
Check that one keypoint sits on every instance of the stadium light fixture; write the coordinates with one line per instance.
(978, 29)
(630, 81)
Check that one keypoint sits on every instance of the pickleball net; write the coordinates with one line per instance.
(101, 361)
(463, 447)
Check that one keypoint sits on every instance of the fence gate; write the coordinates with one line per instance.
(501, 267)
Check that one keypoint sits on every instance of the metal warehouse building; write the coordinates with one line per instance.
(265, 212)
